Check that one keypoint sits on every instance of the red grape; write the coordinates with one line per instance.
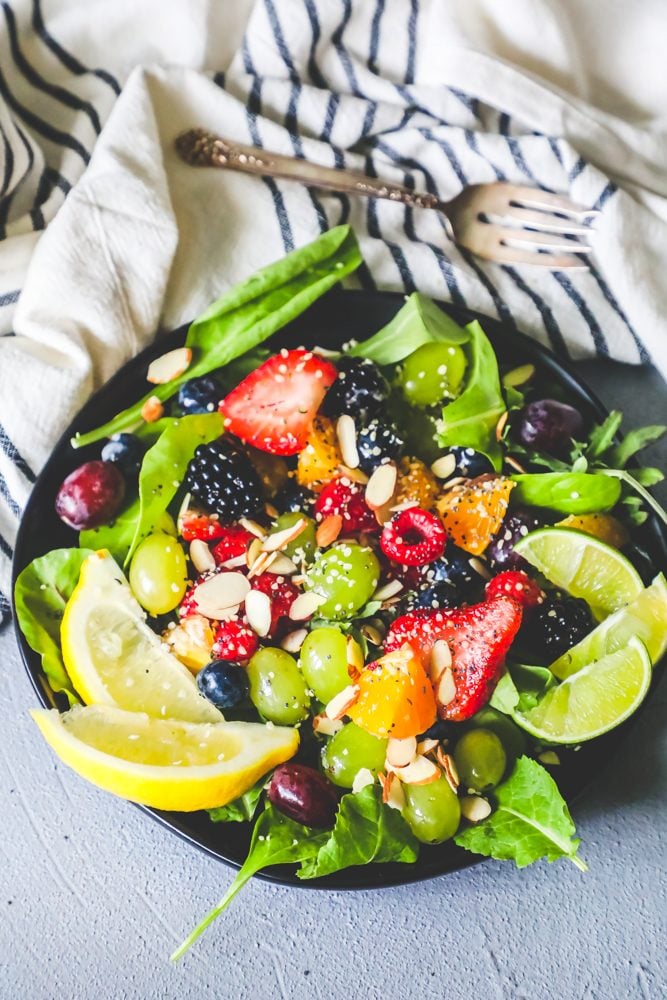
(91, 495)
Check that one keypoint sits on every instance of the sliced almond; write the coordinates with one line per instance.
(305, 606)
(479, 567)
(182, 511)
(279, 539)
(355, 656)
(346, 432)
(340, 703)
(253, 527)
(293, 641)
(325, 726)
(262, 564)
(384, 514)
(152, 409)
(400, 753)
(440, 658)
(169, 366)
(444, 466)
(427, 746)
(474, 808)
(235, 562)
(445, 691)
(381, 485)
(549, 757)
(356, 475)
(362, 779)
(421, 771)
(373, 634)
(270, 510)
(225, 590)
(201, 556)
(253, 552)
(388, 591)
(446, 762)
(396, 796)
(328, 530)
(502, 423)
(258, 612)
(515, 464)
(282, 566)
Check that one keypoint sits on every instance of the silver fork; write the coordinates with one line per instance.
(509, 223)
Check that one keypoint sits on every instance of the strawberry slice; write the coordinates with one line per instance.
(273, 408)
(478, 638)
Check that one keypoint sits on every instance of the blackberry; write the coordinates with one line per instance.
(501, 549)
(556, 625)
(222, 480)
(378, 442)
(361, 390)
(293, 497)
(126, 452)
(200, 395)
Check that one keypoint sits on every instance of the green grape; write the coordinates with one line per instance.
(432, 373)
(305, 542)
(346, 575)
(432, 811)
(166, 524)
(348, 751)
(323, 661)
(480, 759)
(512, 738)
(159, 574)
(277, 688)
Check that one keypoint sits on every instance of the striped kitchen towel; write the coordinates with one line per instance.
(105, 236)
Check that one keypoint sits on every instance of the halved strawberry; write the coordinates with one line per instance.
(478, 638)
(273, 407)
(196, 524)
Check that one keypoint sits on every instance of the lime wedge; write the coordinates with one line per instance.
(645, 618)
(583, 566)
(597, 698)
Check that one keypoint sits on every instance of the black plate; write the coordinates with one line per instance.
(338, 317)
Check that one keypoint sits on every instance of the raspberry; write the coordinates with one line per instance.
(235, 641)
(282, 593)
(516, 584)
(413, 537)
(341, 496)
(234, 541)
(197, 525)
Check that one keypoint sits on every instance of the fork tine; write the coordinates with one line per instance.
(513, 255)
(542, 241)
(543, 221)
(531, 197)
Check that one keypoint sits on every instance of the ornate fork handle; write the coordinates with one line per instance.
(201, 148)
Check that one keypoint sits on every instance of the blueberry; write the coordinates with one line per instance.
(440, 730)
(224, 683)
(456, 569)
(470, 463)
(126, 451)
(547, 425)
(515, 526)
(200, 395)
(293, 497)
(379, 441)
(437, 595)
(361, 390)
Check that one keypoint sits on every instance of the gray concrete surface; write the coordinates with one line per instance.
(94, 895)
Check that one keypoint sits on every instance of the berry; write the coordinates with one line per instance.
(557, 624)
(91, 495)
(478, 638)
(320, 459)
(456, 567)
(224, 683)
(194, 524)
(235, 640)
(221, 478)
(282, 594)
(126, 451)
(304, 795)
(516, 584)
(469, 463)
(273, 407)
(438, 595)
(233, 542)
(515, 526)
(199, 395)
(346, 498)
(472, 512)
(547, 425)
(361, 390)
(378, 442)
(293, 498)
(413, 537)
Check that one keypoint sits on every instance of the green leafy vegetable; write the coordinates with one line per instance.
(531, 821)
(602, 436)
(470, 420)
(42, 590)
(632, 443)
(420, 321)
(249, 313)
(116, 536)
(366, 830)
(276, 840)
(521, 687)
(634, 484)
(240, 810)
(568, 492)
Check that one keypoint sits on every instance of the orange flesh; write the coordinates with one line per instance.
(395, 697)
(472, 512)
(318, 462)
(416, 482)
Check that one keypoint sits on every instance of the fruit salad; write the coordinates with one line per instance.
(367, 599)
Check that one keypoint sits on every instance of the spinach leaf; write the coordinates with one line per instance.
(249, 313)
(470, 420)
(242, 809)
(116, 536)
(366, 830)
(420, 321)
(164, 466)
(276, 840)
(521, 687)
(41, 593)
(531, 821)
(568, 492)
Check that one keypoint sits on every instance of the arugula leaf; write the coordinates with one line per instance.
(366, 830)
(531, 821)
(471, 419)
(42, 590)
(242, 809)
(249, 313)
(602, 436)
(420, 321)
(634, 484)
(633, 442)
(568, 492)
(116, 536)
(276, 840)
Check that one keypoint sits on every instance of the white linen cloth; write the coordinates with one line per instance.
(105, 236)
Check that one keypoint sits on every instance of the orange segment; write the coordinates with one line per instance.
(395, 696)
(416, 482)
(319, 460)
(473, 511)
(603, 526)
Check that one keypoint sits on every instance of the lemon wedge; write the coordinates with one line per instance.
(165, 763)
(114, 658)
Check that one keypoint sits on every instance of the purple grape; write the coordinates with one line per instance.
(91, 495)
(501, 549)
(304, 795)
(547, 425)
